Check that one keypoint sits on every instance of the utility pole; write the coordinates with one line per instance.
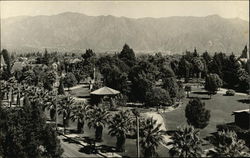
(137, 142)
(248, 67)
(56, 112)
(137, 115)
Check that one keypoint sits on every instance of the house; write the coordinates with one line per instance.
(244, 57)
(242, 118)
(18, 66)
(104, 93)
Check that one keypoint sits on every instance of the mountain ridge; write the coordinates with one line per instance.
(76, 31)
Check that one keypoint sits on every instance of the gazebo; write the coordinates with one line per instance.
(103, 93)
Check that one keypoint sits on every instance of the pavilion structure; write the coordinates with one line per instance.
(104, 93)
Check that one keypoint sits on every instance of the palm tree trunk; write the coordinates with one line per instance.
(52, 114)
(98, 133)
(66, 121)
(120, 143)
(80, 125)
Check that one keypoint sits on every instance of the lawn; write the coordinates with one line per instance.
(220, 106)
(111, 141)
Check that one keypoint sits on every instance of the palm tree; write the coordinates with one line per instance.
(185, 143)
(151, 137)
(119, 126)
(226, 144)
(79, 114)
(50, 102)
(97, 118)
(65, 108)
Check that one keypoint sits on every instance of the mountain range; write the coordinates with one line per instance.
(74, 31)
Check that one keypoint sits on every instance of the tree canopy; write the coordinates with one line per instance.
(196, 113)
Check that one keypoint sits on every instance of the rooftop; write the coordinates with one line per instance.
(105, 91)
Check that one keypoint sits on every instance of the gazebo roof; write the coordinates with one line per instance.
(105, 91)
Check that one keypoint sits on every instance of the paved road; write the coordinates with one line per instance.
(71, 150)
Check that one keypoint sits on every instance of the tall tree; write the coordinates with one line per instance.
(97, 118)
(46, 58)
(24, 133)
(119, 126)
(69, 80)
(127, 55)
(79, 114)
(61, 88)
(226, 144)
(151, 137)
(157, 97)
(88, 54)
(244, 52)
(142, 76)
(186, 143)
(6, 57)
(49, 80)
(196, 113)
(212, 83)
(170, 85)
(66, 107)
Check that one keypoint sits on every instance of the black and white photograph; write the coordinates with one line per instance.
(124, 79)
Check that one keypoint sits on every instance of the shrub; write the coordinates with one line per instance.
(242, 134)
(230, 92)
(196, 113)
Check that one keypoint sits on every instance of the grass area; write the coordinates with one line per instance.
(81, 92)
(220, 106)
(130, 149)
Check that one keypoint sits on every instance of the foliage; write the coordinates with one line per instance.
(143, 77)
(119, 126)
(186, 143)
(226, 144)
(127, 55)
(79, 75)
(230, 92)
(69, 80)
(196, 113)
(116, 79)
(244, 52)
(7, 70)
(212, 83)
(157, 97)
(170, 85)
(79, 114)
(241, 133)
(185, 68)
(24, 133)
(165, 72)
(243, 80)
(97, 118)
(151, 137)
(49, 80)
(61, 88)
(66, 105)
(88, 54)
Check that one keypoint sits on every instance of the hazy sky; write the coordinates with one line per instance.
(135, 9)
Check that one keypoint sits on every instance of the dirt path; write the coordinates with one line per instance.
(223, 91)
(160, 120)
